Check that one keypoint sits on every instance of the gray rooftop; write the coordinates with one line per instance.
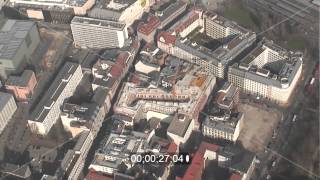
(98, 22)
(54, 91)
(179, 125)
(118, 148)
(12, 35)
(21, 81)
(171, 9)
(228, 125)
(4, 99)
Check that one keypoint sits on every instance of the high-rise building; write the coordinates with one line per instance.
(97, 33)
(48, 110)
(7, 108)
(18, 40)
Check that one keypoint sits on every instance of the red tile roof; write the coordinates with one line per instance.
(152, 24)
(166, 37)
(183, 25)
(194, 171)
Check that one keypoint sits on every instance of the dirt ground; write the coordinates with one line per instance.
(258, 126)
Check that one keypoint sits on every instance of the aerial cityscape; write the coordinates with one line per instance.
(159, 89)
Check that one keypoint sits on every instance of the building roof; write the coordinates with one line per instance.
(4, 99)
(20, 81)
(98, 23)
(12, 35)
(152, 23)
(227, 124)
(194, 171)
(117, 149)
(54, 91)
(179, 125)
(171, 10)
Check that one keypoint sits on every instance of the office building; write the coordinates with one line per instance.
(7, 108)
(18, 40)
(223, 126)
(268, 71)
(97, 33)
(214, 45)
(48, 110)
(22, 86)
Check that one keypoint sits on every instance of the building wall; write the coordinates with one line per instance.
(7, 112)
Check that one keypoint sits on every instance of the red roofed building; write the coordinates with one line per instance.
(195, 169)
(235, 176)
(147, 31)
(187, 24)
(166, 41)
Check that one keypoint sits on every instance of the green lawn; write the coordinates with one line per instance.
(240, 15)
(296, 42)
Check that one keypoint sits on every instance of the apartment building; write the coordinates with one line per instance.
(48, 110)
(97, 33)
(269, 71)
(7, 108)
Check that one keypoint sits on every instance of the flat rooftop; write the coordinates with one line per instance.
(98, 22)
(12, 35)
(60, 82)
(179, 125)
(118, 148)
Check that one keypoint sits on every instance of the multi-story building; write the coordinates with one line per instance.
(237, 160)
(180, 129)
(169, 11)
(97, 33)
(115, 151)
(40, 9)
(228, 97)
(225, 127)
(48, 110)
(269, 71)
(125, 11)
(147, 31)
(219, 42)
(18, 40)
(22, 86)
(188, 96)
(7, 108)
